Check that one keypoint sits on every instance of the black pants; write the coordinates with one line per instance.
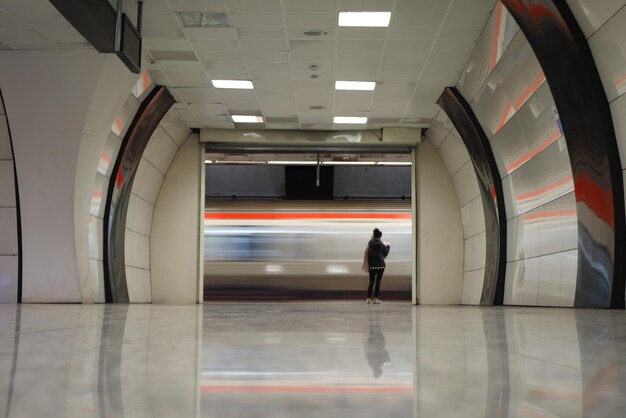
(376, 276)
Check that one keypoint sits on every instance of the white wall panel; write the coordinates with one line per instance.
(475, 249)
(465, 184)
(98, 196)
(8, 278)
(5, 143)
(569, 268)
(608, 46)
(95, 238)
(618, 111)
(453, 152)
(472, 287)
(592, 14)
(137, 250)
(549, 287)
(8, 231)
(174, 127)
(109, 154)
(96, 273)
(439, 229)
(473, 218)
(176, 229)
(7, 184)
(139, 216)
(147, 181)
(439, 129)
(160, 150)
(138, 283)
(125, 116)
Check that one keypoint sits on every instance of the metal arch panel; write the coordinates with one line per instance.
(150, 113)
(490, 185)
(564, 55)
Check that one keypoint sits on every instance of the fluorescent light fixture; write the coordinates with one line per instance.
(233, 84)
(355, 85)
(293, 162)
(247, 119)
(349, 163)
(350, 119)
(365, 19)
(393, 163)
(208, 161)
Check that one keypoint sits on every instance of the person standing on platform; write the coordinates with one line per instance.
(377, 251)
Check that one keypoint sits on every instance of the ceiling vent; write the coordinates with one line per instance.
(204, 20)
(314, 32)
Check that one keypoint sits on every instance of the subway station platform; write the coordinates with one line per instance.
(306, 359)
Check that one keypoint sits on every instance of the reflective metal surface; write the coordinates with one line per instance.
(511, 83)
(323, 359)
(494, 40)
(539, 181)
(558, 43)
(489, 183)
(550, 228)
(549, 280)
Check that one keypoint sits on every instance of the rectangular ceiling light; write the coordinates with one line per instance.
(293, 162)
(350, 119)
(349, 163)
(365, 19)
(355, 85)
(393, 163)
(247, 119)
(233, 84)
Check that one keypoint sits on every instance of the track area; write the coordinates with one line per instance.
(255, 250)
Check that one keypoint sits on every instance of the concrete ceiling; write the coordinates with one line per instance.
(422, 51)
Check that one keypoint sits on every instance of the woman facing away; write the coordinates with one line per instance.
(376, 253)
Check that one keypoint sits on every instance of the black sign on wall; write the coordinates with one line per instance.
(300, 182)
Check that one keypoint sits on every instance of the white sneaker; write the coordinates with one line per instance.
(369, 300)
(377, 301)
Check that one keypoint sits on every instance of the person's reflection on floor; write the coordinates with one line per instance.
(374, 345)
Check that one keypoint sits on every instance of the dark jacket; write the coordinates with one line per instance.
(376, 253)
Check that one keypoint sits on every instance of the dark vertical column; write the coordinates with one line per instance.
(490, 185)
(562, 50)
(150, 113)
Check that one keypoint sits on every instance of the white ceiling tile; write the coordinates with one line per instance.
(314, 20)
(256, 19)
(282, 125)
(461, 45)
(181, 66)
(366, 5)
(413, 19)
(413, 32)
(466, 19)
(47, 21)
(268, 66)
(271, 75)
(398, 77)
(443, 69)
(233, 95)
(22, 37)
(159, 20)
(401, 67)
(310, 6)
(383, 108)
(356, 66)
(219, 56)
(215, 45)
(67, 35)
(261, 33)
(364, 74)
(164, 33)
(187, 75)
(460, 32)
(266, 56)
(405, 56)
(167, 44)
(473, 5)
(346, 97)
(398, 91)
(10, 23)
(197, 5)
(229, 75)
(312, 45)
(161, 56)
(270, 87)
(362, 33)
(210, 34)
(212, 109)
(359, 56)
(297, 32)
(197, 95)
(254, 5)
(225, 67)
(304, 67)
(27, 7)
(263, 45)
(152, 6)
(421, 110)
(447, 56)
(409, 45)
(421, 5)
(312, 56)
(360, 45)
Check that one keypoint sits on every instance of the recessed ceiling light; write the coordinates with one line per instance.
(350, 119)
(292, 162)
(233, 84)
(314, 32)
(247, 119)
(355, 85)
(365, 19)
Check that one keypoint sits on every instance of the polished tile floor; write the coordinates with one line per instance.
(322, 359)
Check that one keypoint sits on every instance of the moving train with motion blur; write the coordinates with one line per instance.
(269, 250)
